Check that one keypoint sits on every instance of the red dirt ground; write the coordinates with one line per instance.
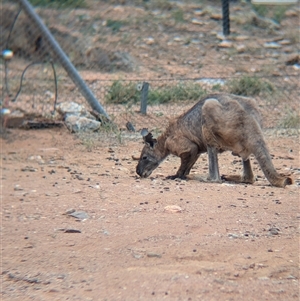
(229, 242)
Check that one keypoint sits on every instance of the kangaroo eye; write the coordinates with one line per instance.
(144, 158)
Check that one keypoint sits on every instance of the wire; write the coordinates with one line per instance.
(27, 67)
(22, 77)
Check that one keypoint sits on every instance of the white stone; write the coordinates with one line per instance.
(272, 45)
(77, 124)
(173, 209)
(177, 39)
(197, 22)
(68, 107)
(149, 41)
(199, 12)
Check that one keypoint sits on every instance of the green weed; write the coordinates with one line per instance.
(115, 25)
(59, 3)
(127, 93)
(250, 86)
(179, 92)
(261, 10)
(290, 120)
(160, 4)
(277, 13)
(216, 87)
(122, 93)
(178, 16)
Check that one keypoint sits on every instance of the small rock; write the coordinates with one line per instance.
(274, 231)
(240, 48)
(28, 168)
(296, 66)
(263, 278)
(77, 124)
(130, 126)
(199, 12)
(216, 16)
(37, 159)
(285, 42)
(232, 235)
(70, 107)
(149, 41)
(72, 231)
(18, 188)
(81, 215)
(152, 255)
(69, 211)
(225, 44)
(173, 209)
(291, 13)
(272, 45)
(137, 255)
(195, 41)
(241, 38)
(197, 22)
(177, 39)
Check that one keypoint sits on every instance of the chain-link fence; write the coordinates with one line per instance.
(177, 48)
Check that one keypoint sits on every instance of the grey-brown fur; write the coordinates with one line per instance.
(217, 123)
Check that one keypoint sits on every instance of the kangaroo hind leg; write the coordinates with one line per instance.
(246, 177)
(213, 165)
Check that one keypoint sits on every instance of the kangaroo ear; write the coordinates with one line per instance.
(148, 138)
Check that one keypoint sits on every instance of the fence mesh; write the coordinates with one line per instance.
(178, 48)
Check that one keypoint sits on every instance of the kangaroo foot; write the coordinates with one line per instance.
(217, 180)
(282, 181)
(237, 179)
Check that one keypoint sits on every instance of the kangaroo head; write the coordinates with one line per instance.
(150, 156)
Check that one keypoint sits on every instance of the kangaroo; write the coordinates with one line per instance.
(217, 123)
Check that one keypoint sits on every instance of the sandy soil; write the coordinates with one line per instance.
(228, 242)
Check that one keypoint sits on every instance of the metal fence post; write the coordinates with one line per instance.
(144, 98)
(63, 58)
(226, 20)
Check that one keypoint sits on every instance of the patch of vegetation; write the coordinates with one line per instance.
(179, 92)
(279, 13)
(261, 10)
(217, 88)
(276, 13)
(122, 93)
(291, 120)
(59, 3)
(178, 15)
(160, 4)
(115, 25)
(126, 93)
(250, 86)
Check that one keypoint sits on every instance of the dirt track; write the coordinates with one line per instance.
(229, 242)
